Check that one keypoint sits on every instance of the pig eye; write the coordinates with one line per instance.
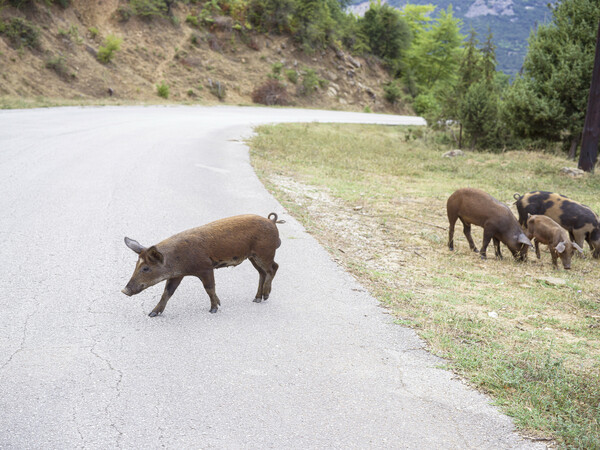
(145, 269)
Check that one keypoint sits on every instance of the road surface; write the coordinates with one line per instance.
(319, 365)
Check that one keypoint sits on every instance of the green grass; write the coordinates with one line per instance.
(540, 357)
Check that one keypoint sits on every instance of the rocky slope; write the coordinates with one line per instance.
(197, 64)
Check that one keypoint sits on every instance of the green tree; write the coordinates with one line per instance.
(435, 53)
(548, 101)
(386, 32)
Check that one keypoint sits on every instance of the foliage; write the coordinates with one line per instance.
(393, 91)
(93, 32)
(58, 64)
(548, 101)
(310, 82)
(435, 53)
(292, 76)
(107, 51)
(386, 33)
(21, 32)
(272, 92)
(162, 90)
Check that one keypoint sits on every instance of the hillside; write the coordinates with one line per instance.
(219, 63)
(510, 21)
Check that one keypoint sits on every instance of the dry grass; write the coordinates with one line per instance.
(375, 197)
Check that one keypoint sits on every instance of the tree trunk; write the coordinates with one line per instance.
(460, 137)
(591, 129)
(573, 149)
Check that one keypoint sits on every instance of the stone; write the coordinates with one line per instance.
(553, 281)
(572, 172)
(353, 61)
(493, 314)
(453, 153)
(331, 92)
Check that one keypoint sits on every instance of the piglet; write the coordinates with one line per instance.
(198, 251)
(542, 229)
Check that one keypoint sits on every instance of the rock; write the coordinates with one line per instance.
(572, 172)
(453, 153)
(353, 61)
(358, 208)
(370, 92)
(335, 86)
(331, 92)
(493, 314)
(340, 54)
(552, 281)
(343, 101)
(110, 92)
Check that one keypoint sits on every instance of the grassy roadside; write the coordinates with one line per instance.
(375, 197)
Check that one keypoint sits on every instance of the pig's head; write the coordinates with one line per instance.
(565, 250)
(149, 269)
(519, 245)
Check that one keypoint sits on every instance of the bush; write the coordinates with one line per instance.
(93, 32)
(107, 52)
(148, 8)
(292, 76)
(21, 32)
(58, 64)
(392, 91)
(311, 82)
(272, 92)
(162, 90)
(192, 20)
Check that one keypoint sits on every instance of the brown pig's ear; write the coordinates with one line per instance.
(523, 240)
(154, 255)
(134, 245)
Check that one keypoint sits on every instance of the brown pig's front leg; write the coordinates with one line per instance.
(170, 287)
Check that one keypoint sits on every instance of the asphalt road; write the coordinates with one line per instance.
(319, 365)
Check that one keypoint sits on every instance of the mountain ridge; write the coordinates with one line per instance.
(510, 22)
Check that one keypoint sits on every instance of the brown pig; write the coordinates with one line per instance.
(474, 206)
(198, 251)
(542, 229)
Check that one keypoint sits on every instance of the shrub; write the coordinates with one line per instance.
(148, 8)
(192, 20)
(21, 32)
(392, 91)
(58, 64)
(292, 76)
(272, 92)
(93, 32)
(162, 90)
(107, 52)
(311, 82)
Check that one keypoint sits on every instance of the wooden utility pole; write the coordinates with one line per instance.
(591, 129)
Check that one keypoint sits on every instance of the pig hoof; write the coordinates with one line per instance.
(213, 310)
(265, 297)
(257, 300)
(153, 314)
(483, 257)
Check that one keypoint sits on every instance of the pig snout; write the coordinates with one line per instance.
(132, 289)
(126, 291)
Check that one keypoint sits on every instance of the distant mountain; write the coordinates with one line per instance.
(510, 21)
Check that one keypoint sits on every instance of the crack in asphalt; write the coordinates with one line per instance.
(117, 387)
(21, 345)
